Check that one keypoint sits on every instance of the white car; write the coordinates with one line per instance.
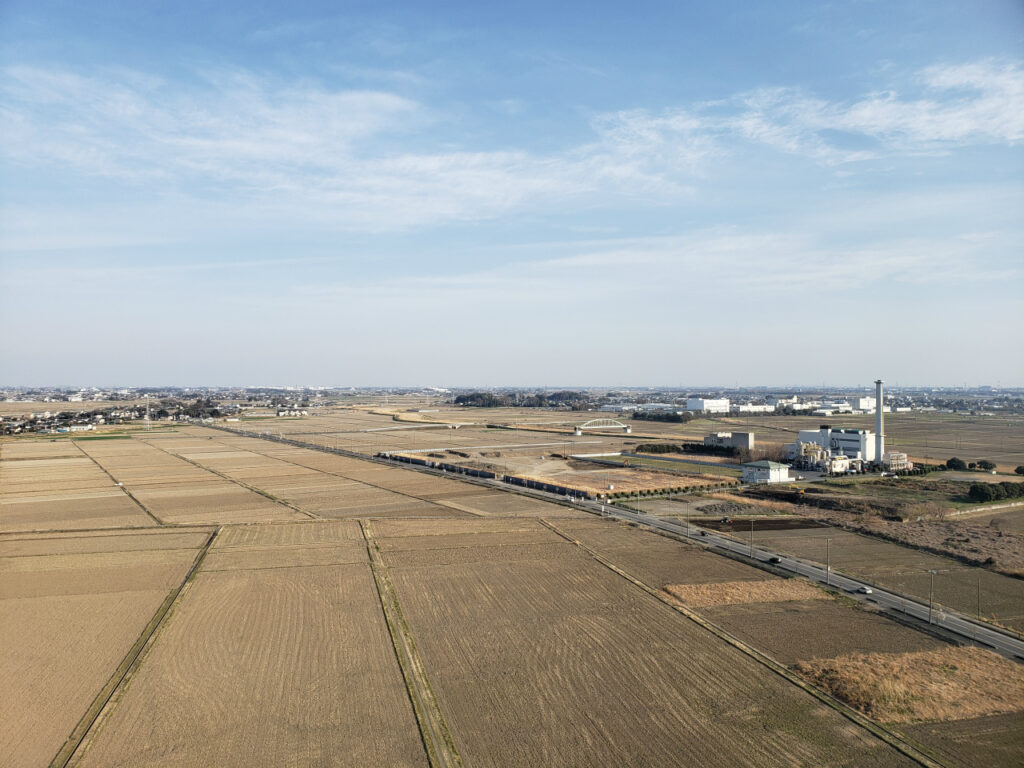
(865, 590)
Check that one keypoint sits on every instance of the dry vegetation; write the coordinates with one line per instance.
(531, 653)
(735, 592)
(942, 684)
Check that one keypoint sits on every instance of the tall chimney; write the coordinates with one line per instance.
(879, 426)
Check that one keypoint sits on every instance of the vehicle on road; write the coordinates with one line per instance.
(774, 559)
(865, 590)
(703, 533)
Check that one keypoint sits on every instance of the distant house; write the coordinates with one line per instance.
(765, 472)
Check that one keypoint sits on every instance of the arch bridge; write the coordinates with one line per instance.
(602, 424)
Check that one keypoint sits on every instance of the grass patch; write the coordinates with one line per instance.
(939, 685)
(738, 592)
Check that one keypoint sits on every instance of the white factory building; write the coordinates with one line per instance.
(706, 405)
(754, 408)
(765, 472)
(852, 443)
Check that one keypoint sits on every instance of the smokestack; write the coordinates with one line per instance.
(879, 425)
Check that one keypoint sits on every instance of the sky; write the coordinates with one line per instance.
(522, 194)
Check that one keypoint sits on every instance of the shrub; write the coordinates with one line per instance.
(956, 464)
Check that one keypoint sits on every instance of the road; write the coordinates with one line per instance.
(948, 620)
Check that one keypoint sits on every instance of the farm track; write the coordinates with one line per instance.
(437, 738)
(247, 487)
(912, 750)
(127, 666)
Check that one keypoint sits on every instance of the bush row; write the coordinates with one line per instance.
(995, 491)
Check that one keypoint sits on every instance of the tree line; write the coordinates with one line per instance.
(575, 400)
(995, 491)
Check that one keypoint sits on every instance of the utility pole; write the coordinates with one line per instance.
(979, 596)
(931, 595)
(828, 564)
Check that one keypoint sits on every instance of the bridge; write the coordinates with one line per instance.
(602, 424)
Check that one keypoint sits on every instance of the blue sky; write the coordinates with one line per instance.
(485, 194)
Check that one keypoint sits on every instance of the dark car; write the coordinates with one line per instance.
(774, 559)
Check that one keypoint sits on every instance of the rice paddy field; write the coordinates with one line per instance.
(196, 597)
(71, 607)
(277, 655)
(541, 636)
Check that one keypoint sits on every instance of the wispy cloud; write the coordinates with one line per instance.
(375, 160)
(976, 103)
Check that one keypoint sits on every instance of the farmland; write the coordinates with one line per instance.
(70, 609)
(55, 486)
(289, 657)
(536, 637)
(901, 568)
(235, 617)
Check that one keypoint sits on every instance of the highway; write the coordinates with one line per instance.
(948, 620)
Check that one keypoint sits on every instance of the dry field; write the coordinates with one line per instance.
(70, 609)
(337, 486)
(175, 491)
(269, 660)
(937, 685)
(995, 741)
(53, 485)
(539, 649)
(657, 560)
(802, 630)
(905, 569)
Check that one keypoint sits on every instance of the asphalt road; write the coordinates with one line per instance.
(948, 620)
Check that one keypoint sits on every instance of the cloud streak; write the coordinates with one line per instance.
(376, 161)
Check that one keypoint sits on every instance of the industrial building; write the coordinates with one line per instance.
(754, 408)
(760, 472)
(817, 448)
(895, 461)
(706, 405)
(730, 440)
(844, 450)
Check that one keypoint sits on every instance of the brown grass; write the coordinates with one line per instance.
(736, 592)
(944, 684)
